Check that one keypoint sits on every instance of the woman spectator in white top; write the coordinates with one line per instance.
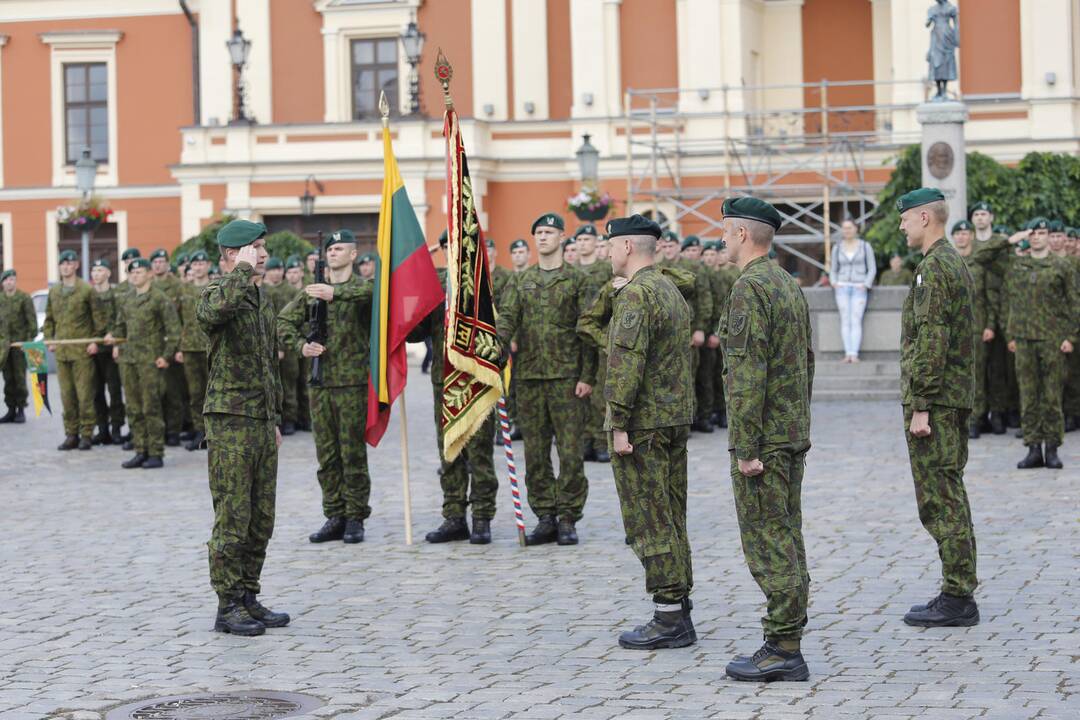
(852, 272)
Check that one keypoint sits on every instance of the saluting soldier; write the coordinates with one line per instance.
(649, 410)
(71, 313)
(983, 307)
(597, 274)
(897, 274)
(175, 386)
(194, 346)
(242, 414)
(937, 367)
(769, 375)
(339, 403)
(18, 323)
(108, 372)
(294, 367)
(149, 322)
(554, 371)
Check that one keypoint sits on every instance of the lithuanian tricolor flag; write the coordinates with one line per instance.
(406, 290)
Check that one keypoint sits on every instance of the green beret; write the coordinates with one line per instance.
(138, 263)
(519, 243)
(341, 237)
(1039, 223)
(131, 253)
(101, 262)
(159, 253)
(708, 245)
(981, 205)
(1002, 229)
(586, 229)
(961, 225)
(273, 263)
(549, 220)
(240, 233)
(670, 235)
(69, 256)
(182, 259)
(917, 198)
(489, 242)
(1073, 232)
(750, 208)
(367, 257)
(691, 241)
(568, 242)
(293, 261)
(10, 272)
(444, 238)
(1056, 226)
(633, 225)
(314, 252)
(199, 256)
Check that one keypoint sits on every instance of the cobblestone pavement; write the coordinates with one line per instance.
(104, 597)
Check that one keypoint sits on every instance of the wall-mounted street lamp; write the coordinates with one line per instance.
(412, 40)
(588, 158)
(307, 200)
(239, 48)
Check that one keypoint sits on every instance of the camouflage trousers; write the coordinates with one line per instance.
(704, 379)
(175, 390)
(718, 404)
(1002, 388)
(77, 395)
(128, 380)
(145, 398)
(294, 383)
(16, 391)
(476, 461)
(548, 410)
(651, 483)
(107, 376)
(242, 462)
(196, 373)
(769, 509)
(594, 407)
(937, 466)
(340, 416)
(1040, 370)
(1071, 402)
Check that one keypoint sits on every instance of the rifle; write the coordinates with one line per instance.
(317, 317)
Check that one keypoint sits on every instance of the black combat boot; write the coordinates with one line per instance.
(567, 533)
(602, 455)
(481, 531)
(544, 532)
(128, 445)
(103, 437)
(135, 462)
(702, 425)
(973, 430)
(1019, 434)
(920, 608)
(945, 611)
(1070, 423)
(172, 439)
(117, 434)
(70, 443)
(197, 442)
(20, 416)
(1052, 460)
(722, 422)
(332, 529)
(85, 444)
(997, 423)
(288, 428)
(1012, 419)
(984, 423)
(354, 531)
(153, 463)
(233, 617)
(185, 436)
(515, 432)
(1034, 458)
(9, 416)
(454, 528)
(266, 616)
(589, 453)
(668, 628)
(771, 662)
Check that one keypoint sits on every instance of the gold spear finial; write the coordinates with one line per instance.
(384, 109)
(444, 73)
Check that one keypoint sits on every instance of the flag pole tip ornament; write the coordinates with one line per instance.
(444, 73)
(384, 107)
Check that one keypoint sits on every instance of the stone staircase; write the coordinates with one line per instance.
(877, 377)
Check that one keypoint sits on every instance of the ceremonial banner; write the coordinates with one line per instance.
(472, 383)
(37, 367)
(407, 289)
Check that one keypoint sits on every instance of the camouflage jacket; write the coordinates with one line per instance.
(596, 276)
(984, 304)
(592, 326)
(72, 312)
(500, 278)
(109, 302)
(1042, 300)
(239, 320)
(769, 361)
(937, 352)
(192, 337)
(18, 320)
(649, 383)
(171, 286)
(540, 313)
(995, 255)
(701, 304)
(346, 361)
(901, 278)
(151, 327)
(721, 279)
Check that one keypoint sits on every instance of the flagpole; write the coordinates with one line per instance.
(405, 468)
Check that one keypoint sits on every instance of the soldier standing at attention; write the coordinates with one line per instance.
(519, 255)
(71, 313)
(339, 404)
(570, 251)
(275, 273)
(149, 322)
(175, 387)
(18, 323)
(242, 414)
(294, 368)
(366, 267)
(993, 252)
(897, 274)
(194, 345)
(499, 275)
(108, 372)
(649, 409)
(554, 371)
(603, 248)
(597, 274)
(984, 304)
(937, 367)
(1060, 244)
(121, 294)
(309, 266)
(1041, 329)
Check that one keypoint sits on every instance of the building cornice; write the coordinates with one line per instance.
(81, 38)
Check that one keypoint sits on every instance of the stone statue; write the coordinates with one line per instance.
(944, 39)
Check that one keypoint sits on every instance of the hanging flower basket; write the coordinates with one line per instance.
(87, 216)
(589, 205)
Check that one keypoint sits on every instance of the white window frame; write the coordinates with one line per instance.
(95, 46)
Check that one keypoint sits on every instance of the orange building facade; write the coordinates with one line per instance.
(150, 89)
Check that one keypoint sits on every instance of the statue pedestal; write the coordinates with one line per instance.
(944, 159)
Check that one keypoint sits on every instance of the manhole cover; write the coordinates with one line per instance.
(254, 705)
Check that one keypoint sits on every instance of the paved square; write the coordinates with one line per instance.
(104, 597)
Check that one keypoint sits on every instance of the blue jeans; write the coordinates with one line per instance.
(851, 302)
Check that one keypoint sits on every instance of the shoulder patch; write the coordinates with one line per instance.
(738, 324)
(631, 319)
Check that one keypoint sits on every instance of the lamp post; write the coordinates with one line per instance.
(307, 200)
(239, 48)
(588, 158)
(412, 40)
(85, 175)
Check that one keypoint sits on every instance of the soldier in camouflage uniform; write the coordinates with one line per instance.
(151, 327)
(897, 275)
(555, 370)
(648, 394)
(194, 346)
(769, 374)
(1062, 245)
(339, 404)
(18, 323)
(519, 255)
(984, 306)
(295, 369)
(937, 368)
(107, 374)
(72, 313)
(519, 259)
(242, 414)
(175, 386)
(1041, 329)
(726, 275)
(121, 294)
(366, 267)
(597, 273)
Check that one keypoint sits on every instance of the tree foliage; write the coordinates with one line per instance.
(280, 244)
(285, 243)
